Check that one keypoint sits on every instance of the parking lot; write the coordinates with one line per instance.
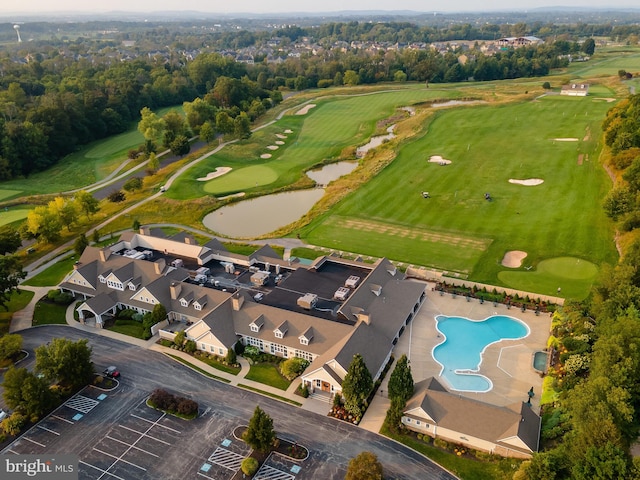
(137, 445)
(117, 436)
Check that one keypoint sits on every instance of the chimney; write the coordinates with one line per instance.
(376, 289)
(189, 240)
(159, 265)
(105, 253)
(175, 288)
(236, 301)
(364, 317)
(145, 231)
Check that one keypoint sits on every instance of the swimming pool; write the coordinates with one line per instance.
(465, 340)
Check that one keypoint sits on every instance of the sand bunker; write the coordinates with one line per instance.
(529, 182)
(218, 172)
(566, 139)
(304, 110)
(235, 195)
(513, 259)
(288, 131)
(439, 160)
(273, 147)
(265, 155)
(279, 142)
(279, 135)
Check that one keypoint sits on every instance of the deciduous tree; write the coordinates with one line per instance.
(365, 466)
(65, 361)
(10, 239)
(11, 274)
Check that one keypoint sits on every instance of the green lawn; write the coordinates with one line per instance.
(608, 61)
(268, 374)
(54, 274)
(464, 467)
(46, 313)
(17, 301)
(457, 229)
(132, 328)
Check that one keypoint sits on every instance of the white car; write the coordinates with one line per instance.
(3, 414)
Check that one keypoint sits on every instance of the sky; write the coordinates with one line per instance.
(280, 6)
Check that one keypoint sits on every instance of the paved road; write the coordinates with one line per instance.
(331, 443)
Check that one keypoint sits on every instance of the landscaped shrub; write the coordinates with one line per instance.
(190, 346)
(127, 314)
(440, 443)
(293, 367)
(249, 466)
(61, 298)
(116, 196)
(132, 184)
(231, 357)
(164, 400)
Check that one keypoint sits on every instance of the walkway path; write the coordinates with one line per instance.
(24, 318)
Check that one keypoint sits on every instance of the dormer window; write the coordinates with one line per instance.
(102, 279)
(197, 306)
(281, 331)
(184, 303)
(257, 324)
(306, 337)
(132, 286)
(304, 341)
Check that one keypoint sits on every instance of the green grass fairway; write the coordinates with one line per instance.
(7, 194)
(13, 215)
(335, 123)
(241, 179)
(90, 164)
(488, 145)
(573, 275)
(608, 61)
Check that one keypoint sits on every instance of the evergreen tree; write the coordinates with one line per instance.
(260, 434)
(356, 386)
(401, 381)
(81, 243)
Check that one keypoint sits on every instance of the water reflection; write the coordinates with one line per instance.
(259, 216)
(329, 173)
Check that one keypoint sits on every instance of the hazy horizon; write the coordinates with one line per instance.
(11, 7)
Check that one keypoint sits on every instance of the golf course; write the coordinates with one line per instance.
(507, 167)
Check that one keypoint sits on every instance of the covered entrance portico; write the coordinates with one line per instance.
(99, 306)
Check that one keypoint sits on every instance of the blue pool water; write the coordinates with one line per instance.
(460, 354)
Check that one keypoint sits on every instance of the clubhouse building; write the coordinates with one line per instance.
(325, 311)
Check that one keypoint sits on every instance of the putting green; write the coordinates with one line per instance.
(573, 275)
(241, 179)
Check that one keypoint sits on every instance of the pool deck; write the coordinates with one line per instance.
(509, 363)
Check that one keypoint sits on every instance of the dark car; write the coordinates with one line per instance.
(111, 372)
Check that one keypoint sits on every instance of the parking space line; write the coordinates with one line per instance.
(81, 403)
(269, 473)
(137, 448)
(206, 476)
(63, 419)
(33, 441)
(120, 459)
(13, 451)
(48, 430)
(159, 425)
(226, 458)
(144, 434)
(100, 470)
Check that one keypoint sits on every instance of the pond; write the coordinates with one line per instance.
(259, 216)
(331, 172)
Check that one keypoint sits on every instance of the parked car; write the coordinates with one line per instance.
(111, 372)
(3, 414)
